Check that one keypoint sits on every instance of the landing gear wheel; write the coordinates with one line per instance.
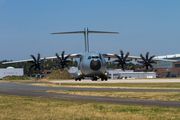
(79, 79)
(75, 79)
(105, 79)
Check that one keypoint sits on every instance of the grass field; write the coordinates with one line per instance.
(172, 96)
(115, 85)
(19, 81)
(16, 107)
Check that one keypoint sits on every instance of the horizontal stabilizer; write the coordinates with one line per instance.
(103, 32)
(84, 32)
(69, 32)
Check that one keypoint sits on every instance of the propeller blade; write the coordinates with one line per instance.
(33, 57)
(147, 55)
(38, 57)
(122, 55)
(122, 65)
(146, 67)
(117, 56)
(142, 57)
(62, 55)
(152, 57)
(67, 56)
(127, 55)
(31, 66)
(58, 57)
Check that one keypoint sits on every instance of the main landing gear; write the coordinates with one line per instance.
(102, 79)
(78, 79)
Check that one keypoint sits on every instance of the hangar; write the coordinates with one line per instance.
(10, 71)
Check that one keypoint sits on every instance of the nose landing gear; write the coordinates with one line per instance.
(78, 79)
(102, 79)
(94, 79)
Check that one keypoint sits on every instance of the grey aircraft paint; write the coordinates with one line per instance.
(91, 64)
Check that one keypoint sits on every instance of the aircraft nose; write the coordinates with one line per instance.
(95, 65)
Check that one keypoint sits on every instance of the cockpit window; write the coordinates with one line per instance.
(95, 57)
(89, 57)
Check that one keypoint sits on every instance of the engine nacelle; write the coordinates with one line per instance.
(78, 74)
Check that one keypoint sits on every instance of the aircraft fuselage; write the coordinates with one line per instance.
(92, 65)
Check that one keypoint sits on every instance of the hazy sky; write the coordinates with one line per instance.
(143, 25)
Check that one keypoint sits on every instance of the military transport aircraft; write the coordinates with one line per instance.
(91, 64)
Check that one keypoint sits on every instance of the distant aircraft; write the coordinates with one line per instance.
(92, 64)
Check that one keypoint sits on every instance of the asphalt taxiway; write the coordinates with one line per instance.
(123, 81)
(40, 92)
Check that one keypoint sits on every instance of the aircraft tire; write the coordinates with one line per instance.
(75, 79)
(79, 79)
(105, 79)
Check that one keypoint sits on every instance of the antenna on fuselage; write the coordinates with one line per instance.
(86, 32)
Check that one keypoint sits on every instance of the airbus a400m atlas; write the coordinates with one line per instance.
(91, 64)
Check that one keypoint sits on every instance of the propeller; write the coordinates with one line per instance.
(36, 63)
(62, 60)
(147, 61)
(122, 60)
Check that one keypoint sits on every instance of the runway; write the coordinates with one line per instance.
(123, 81)
(40, 92)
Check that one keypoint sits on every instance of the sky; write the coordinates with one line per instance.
(143, 25)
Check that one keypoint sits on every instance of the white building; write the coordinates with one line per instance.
(11, 71)
(115, 74)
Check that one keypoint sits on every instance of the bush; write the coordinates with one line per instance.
(24, 77)
(58, 74)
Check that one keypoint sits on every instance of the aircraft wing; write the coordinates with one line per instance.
(78, 55)
(108, 55)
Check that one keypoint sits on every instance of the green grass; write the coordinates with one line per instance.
(115, 85)
(171, 96)
(16, 107)
(128, 85)
(24, 77)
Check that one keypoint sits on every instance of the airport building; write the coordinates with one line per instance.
(11, 71)
(129, 74)
(164, 68)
